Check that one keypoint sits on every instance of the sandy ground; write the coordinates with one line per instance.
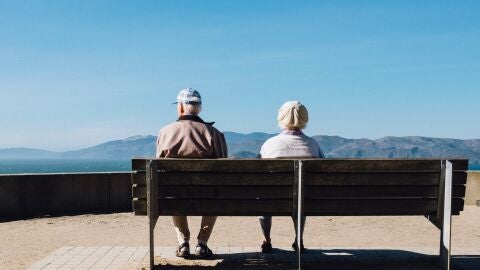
(26, 241)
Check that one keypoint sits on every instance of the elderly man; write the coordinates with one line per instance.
(191, 137)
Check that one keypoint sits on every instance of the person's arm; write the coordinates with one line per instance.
(223, 144)
(160, 145)
(158, 152)
(220, 146)
(320, 153)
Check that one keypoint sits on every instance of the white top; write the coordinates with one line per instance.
(291, 143)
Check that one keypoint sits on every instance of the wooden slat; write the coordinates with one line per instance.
(283, 207)
(139, 191)
(139, 164)
(375, 207)
(379, 165)
(460, 164)
(225, 165)
(218, 192)
(205, 178)
(459, 178)
(139, 178)
(371, 165)
(379, 178)
(218, 165)
(320, 192)
(139, 206)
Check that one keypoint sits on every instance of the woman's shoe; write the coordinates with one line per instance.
(266, 247)
(203, 251)
(295, 247)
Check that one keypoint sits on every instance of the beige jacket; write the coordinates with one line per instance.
(191, 137)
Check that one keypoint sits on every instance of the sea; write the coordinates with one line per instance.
(474, 167)
(18, 166)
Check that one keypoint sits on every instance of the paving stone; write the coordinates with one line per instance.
(62, 250)
(50, 268)
(222, 252)
(167, 253)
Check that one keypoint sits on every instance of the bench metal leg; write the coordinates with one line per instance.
(446, 215)
(298, 207)
(152, 223)
(152, 205)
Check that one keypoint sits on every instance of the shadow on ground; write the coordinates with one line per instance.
(353, 259)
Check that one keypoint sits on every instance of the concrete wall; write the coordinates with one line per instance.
(34, 195)
(473, 188)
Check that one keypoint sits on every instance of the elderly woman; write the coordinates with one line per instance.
(291, 142)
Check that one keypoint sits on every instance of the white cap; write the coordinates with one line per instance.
(189, 96)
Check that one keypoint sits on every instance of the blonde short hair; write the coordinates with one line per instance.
(292, 115)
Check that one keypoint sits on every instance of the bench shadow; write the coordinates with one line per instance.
(326, 259)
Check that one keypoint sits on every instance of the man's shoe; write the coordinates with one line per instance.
(295, 247)
(183, 250)
(266, 247)
(202, 251)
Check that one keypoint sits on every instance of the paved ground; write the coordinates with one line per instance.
(119, 241)
(122, 257)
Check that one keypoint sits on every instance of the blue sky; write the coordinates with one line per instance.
(78, 73)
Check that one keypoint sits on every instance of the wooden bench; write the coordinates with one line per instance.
(432, 188)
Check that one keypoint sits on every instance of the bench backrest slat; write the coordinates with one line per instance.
(217, 178)
(218, 192)
(352, 192)
(379, 165)
(374, 207)
(218, 165)
(379, 178)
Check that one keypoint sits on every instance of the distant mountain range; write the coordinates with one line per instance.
(248, 145)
